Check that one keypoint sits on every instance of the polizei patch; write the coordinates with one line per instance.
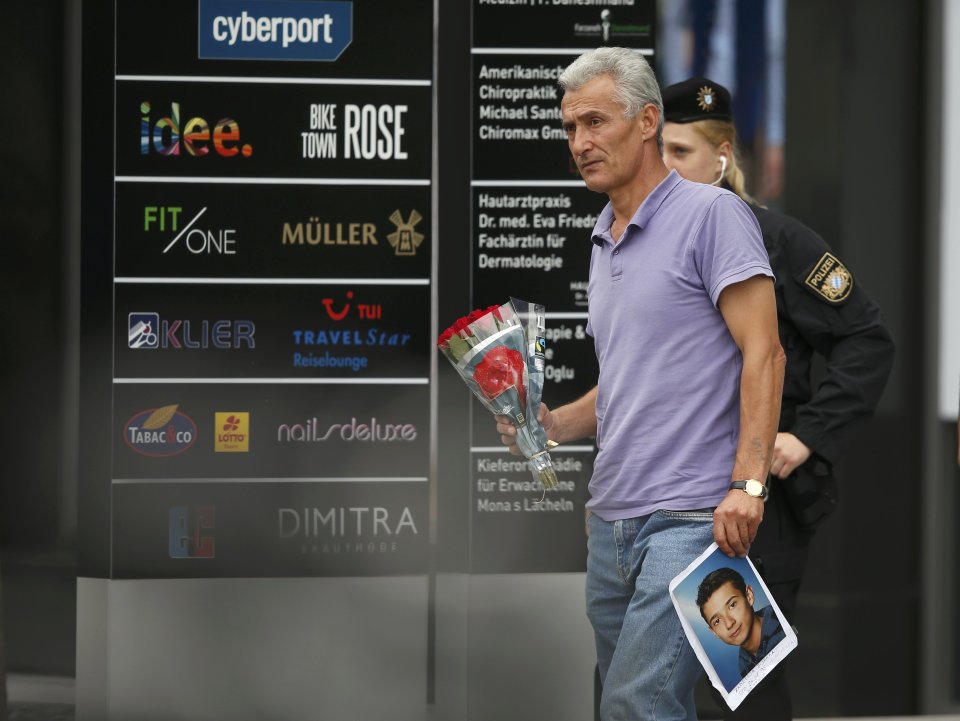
(830, 279)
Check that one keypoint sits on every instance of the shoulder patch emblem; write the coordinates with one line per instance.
(830, 279)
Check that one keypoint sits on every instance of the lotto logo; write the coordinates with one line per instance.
(232, 432)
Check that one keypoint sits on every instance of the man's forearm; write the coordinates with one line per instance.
(575, 420)
(761, 388)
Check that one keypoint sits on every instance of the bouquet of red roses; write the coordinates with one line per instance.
(499, 354)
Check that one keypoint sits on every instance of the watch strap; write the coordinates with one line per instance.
(762, 489)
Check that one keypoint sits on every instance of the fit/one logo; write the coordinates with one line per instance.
(232, 432)
(167, 136)
(198, 239)
(190, 532)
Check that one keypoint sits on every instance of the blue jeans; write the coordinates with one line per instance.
(647, 666)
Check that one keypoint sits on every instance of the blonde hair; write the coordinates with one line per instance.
(716, 132)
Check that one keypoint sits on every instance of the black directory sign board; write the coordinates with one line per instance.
(169, 230)
(231, 129)
(272, 277)
(332, 330)
(531, 222)
(275, 528)
(288, 431)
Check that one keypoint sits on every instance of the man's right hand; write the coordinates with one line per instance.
(508, 431)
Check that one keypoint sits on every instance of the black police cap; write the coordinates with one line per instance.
(696, 99)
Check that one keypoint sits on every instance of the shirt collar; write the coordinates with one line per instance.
(648, 208)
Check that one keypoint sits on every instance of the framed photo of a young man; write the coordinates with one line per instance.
(732, 621)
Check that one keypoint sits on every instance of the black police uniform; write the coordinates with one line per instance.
(820, 309)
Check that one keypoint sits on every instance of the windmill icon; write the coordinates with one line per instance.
(405, 240)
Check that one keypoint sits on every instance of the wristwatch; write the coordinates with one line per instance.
(752, 487)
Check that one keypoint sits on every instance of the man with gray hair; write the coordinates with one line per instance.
(683, 317)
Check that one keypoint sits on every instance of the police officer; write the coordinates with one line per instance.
(821, 309)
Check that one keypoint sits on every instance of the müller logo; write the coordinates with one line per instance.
(310, 431)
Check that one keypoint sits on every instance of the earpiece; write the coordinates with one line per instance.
(723, 170)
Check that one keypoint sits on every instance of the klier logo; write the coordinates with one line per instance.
(190, 535)
(148, 331)
(197, 239)
(167, 136)
(232, 432)
(405, 240)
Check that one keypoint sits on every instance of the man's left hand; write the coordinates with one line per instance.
(789, 452)
(735, 522)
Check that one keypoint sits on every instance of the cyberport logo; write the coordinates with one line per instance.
(168, 136)
(232, 432)
(197, 238)
(274, 30)
(160, 432)
(146, 330)
(190, 528)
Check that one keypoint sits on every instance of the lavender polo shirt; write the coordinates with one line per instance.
(668, 406)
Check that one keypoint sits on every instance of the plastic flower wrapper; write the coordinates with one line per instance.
(499, 354)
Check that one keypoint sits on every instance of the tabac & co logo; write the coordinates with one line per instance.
(160, 432)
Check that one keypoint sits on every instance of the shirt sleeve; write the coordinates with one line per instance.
(853, 339)
(728, 247)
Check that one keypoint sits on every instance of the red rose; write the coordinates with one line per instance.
(461, 324)
(445, 336)
(500, 368)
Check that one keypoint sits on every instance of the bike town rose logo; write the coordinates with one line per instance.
(160, 432)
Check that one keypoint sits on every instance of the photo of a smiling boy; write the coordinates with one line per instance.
(726, 604)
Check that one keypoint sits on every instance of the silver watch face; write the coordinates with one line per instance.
(754, 488)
